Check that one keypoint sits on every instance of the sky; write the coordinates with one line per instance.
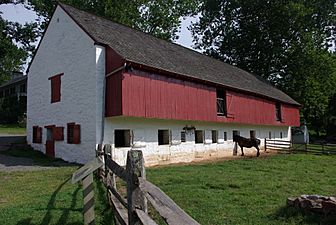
(17, 13)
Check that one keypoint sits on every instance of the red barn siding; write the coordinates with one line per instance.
(290, 115)
(113, 83)
(156, 96)
(113, 60)
(113, 106)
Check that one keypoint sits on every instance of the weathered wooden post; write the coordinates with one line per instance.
(99, 153)
(135, 199)
(85, 174)
(265, 144)
(306, 147)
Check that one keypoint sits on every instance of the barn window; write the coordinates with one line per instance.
(55, 82)
(252, 134)
(183, 136)
(73, 133)
(163, 137)
(270, 135)
(122, 138)
(234, 134)
(278, 111)
(221, 102)
(214, 135)
(199, 136)
(37, 134)
(225, 136)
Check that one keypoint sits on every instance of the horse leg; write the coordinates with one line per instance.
(258, 153)
(242, 150)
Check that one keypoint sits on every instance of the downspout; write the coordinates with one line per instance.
(104, 102)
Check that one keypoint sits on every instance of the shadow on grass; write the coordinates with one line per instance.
(63, 219)
(37, 157)
(306, 217)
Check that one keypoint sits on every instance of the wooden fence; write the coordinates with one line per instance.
(133, 209)
(289, 147)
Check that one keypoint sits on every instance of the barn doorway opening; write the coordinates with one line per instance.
(199, 136)
(163, 137)
(122, 138)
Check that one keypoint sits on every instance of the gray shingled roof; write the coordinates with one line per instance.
(145, 49)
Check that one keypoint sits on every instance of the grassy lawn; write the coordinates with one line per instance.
(12, 129)
(249, 191)
(46, 196)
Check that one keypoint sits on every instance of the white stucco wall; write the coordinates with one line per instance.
(66, 49)
(145, 133)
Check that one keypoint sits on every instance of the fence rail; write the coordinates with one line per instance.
(289, 147)
(133, 209)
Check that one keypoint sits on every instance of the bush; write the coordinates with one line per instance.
(12, 109)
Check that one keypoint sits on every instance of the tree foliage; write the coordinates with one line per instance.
(287, 42)
(16, 44)
(12, 109)
(160, 18)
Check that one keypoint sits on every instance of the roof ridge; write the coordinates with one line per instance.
(118, 23)
(151, 35)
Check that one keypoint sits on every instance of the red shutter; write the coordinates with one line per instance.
(229, 99)
(55, 88)
(70, 128)
(58, 133)
(34, 134)
(39, 135)
(76, 134)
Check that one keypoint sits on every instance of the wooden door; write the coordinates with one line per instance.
(50, 143)
(50, 148)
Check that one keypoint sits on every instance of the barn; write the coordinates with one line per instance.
(95, 81)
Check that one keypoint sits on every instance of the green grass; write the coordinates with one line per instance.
(248, 191)
(46, 196)
(12, 129)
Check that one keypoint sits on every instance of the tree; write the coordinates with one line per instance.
(285, 42)
(160, 18)
(16, 44)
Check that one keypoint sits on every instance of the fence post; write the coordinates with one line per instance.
(89, 217)
(135, 168)
(306, 147)
(265, 145)
(99, 152)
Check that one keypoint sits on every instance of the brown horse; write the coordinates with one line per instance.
(247, 142)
